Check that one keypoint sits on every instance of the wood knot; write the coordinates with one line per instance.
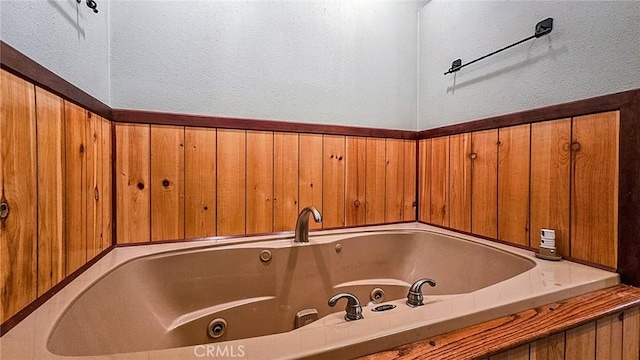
(81, 148)
(165, 183)
(473, 156)
(356, 203)
(339, 158)
(432, 343)
(140, 186)
(575, 146)
(206, 208)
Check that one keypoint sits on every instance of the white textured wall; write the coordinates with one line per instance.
(594, 49)
(331, 62)
(63, 36)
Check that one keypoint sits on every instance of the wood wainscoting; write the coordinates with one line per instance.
(56, 181)
(509, 183)
(181, 182)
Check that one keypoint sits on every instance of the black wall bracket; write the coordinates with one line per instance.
(544, 27)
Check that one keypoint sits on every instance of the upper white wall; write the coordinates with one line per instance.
(594, 49)
(330, 62)
(64, 37)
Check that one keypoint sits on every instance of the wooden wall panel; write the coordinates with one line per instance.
(259, 182)
(375, 181)
(460, 182)
(333, 183)
(484, 183)
(609, 338)
(594, 188)
(356, 180)
(18, 181)
(580, 343)
(231, 158)
(550, 169)
(424, 180)
(440, 181)
(394, 180)
(107, 188)
(133, 207)
(409, 201)
(631, 334)
(285, 182)
(549, 348)
(310, 172)
(200, 182)
(75, 187)
(519, 353)
(93, 183)
(513, 184)
(167, 182)
(50, 140)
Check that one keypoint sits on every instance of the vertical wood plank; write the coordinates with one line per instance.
(93, 183)
(133, 206)
(594, 184)
(513, 184)
(285, 186)
(550, 169)
(580, 343)
(424, 180)
(460, 182)
(333, 184)
(107, 187)
(519, 353)
(440, 181)
(18, 237)
(609, 338)
(484, 183)
(375, 181)
(167, 182)
(409, 200)
(549, 348)
(50, 140)
(356, 184)
(200, 179)
(310, 181)
(631, 334)
(75, 187)
(231, 200)
(259, 182)
(394, 183)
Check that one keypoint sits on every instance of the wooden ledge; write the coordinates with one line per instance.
(508, 332)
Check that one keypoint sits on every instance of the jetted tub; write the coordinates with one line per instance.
(162, 303)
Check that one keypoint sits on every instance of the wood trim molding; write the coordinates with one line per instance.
(21, 65)
(26, 311)
(518, 329)
(164, 118)
(629, 192)
(597, 104)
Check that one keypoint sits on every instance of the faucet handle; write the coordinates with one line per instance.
(415, 297)
(353, 308)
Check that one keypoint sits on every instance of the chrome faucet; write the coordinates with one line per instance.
(414, 297)
(353, 308)
(302, 225)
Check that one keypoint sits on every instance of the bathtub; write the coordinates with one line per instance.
(158, 301)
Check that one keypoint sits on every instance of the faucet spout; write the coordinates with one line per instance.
(353, 309)
(415, 297)
(302, 225)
